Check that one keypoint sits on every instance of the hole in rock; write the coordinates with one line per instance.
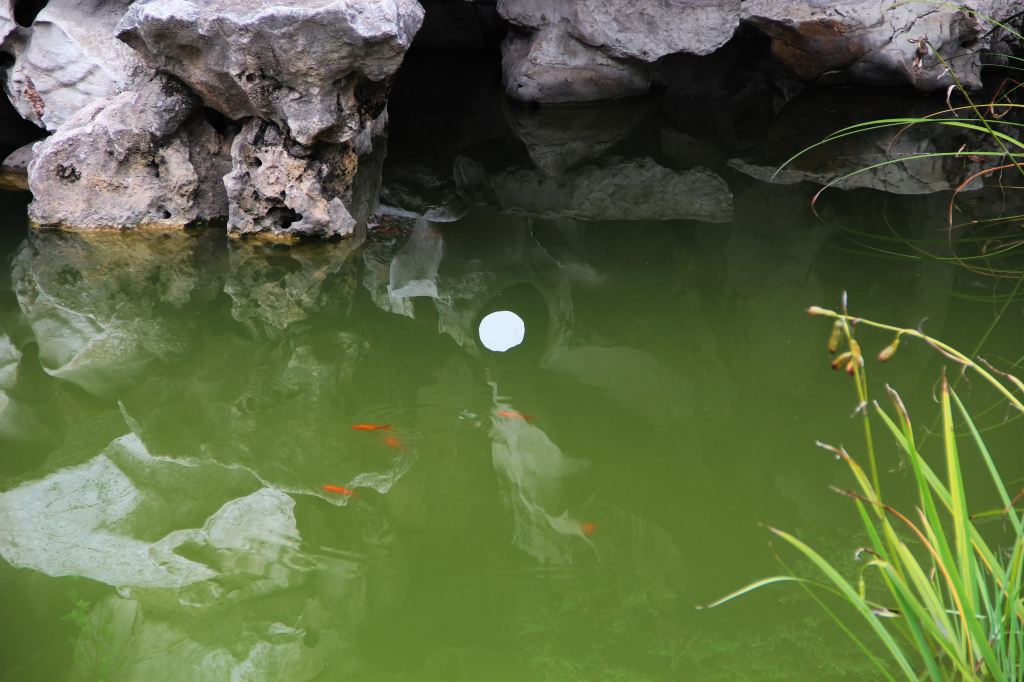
(372, 96)
(282, 217)
(14, 130)
(26, 11)
(218, 121)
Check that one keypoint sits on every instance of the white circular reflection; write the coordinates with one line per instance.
(502, 330)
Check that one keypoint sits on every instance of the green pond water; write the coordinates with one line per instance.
(173, 405)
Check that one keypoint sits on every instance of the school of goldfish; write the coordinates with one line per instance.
(588, 528)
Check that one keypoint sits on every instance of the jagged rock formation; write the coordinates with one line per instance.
(69, 57)
(139, 159)
(868, 43)
(316, 68)
(309, 78)
(307, 83)
(585, 50)
(282, 189)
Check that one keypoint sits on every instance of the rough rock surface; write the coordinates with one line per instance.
(7, 24)
(280, 188)
(635, 30)
(317, 68)
(550, 66)
(14, 169)
(52, 529)
(881, 44)
(138, 159)
(67, 59)
(584, 50)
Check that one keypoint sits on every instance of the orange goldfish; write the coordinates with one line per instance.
(588, 528)
(512, 414)
(338, 489)
(393, 443)
(371, 427)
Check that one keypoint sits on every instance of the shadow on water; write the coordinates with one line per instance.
(173, 406)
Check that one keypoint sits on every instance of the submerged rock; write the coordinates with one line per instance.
(585, 50)
(64, 525)
(318, 69)
(17, 419)
(69, 57)
(882, 44)
(97, 520)
(138, 159)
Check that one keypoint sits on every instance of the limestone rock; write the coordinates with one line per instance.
(64, 524)
(92, 520)
(7, 24)
(18, 418)
(67, 59)
(585, 50)
(138, 159)
(317, 68)
(645, 31)
(550, 66)
(282, 189)
(14, 169)
(881, 44)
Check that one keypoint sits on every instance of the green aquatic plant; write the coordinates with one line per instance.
(941, 599)
(988, 141)
(101, 643)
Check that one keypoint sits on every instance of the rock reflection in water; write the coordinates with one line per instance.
(812, 116)
(573, 537)
(96, 302)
